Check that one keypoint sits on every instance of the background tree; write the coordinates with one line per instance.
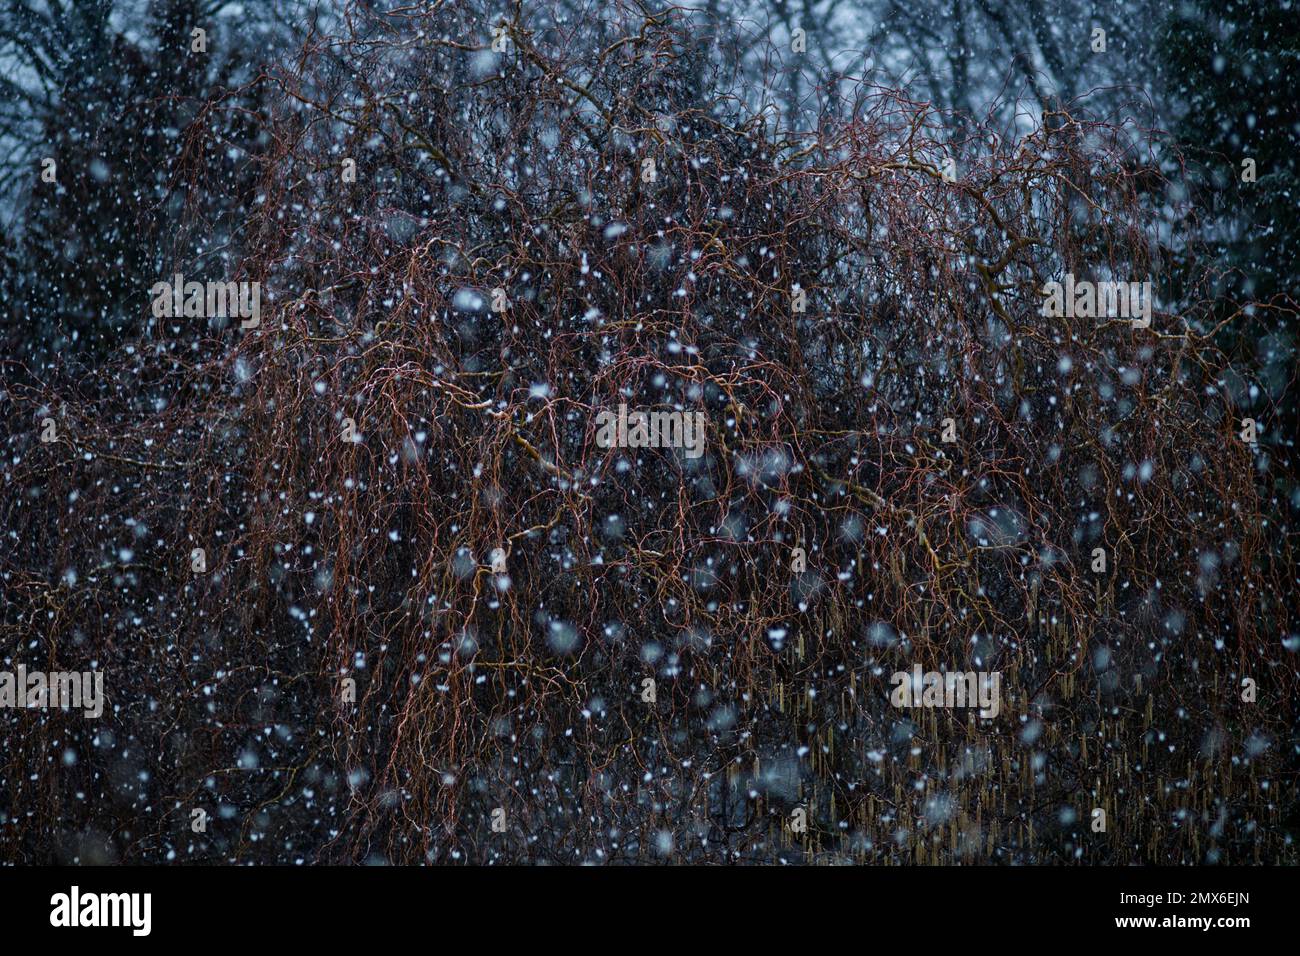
(1229, 72)
(118, 100)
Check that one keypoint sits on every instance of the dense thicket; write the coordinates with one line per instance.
(329, 560)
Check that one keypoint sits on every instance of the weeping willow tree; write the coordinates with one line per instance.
(366, 586)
